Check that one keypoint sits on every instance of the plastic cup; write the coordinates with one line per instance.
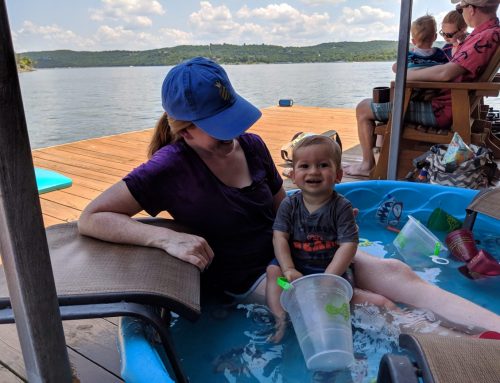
(442, 221)
(462, 245)
(318, 306)
(415, 240)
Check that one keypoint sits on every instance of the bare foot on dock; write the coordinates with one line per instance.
(359, 170)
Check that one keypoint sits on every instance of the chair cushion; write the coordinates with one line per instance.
(88, 271)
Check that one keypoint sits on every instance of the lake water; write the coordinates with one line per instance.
(65, 105)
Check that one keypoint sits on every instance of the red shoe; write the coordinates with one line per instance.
(484, 263)
(489, 335)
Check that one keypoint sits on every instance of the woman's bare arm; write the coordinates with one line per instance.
(108, 217)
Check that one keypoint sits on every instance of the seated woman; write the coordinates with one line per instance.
(454, 31)
(218, 180)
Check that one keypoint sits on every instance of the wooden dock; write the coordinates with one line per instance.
(96, 164)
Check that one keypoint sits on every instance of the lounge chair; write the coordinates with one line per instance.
(466, 106)
(486, 202)
(97, 279)
(442, 359)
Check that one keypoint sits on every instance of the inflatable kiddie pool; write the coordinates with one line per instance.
(228, 343)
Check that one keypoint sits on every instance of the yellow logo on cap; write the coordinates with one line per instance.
(224, 93)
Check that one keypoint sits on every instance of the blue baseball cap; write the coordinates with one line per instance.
(198, 90)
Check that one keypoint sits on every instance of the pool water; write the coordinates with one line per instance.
(228, 344)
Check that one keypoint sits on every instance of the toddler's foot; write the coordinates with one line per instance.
(279, 329)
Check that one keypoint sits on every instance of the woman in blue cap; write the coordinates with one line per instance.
(221, 182)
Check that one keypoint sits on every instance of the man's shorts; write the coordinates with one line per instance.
(418, 112)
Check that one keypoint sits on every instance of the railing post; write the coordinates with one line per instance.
(399, 88)
(23, 244)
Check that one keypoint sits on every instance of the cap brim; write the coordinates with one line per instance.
(455, 1)
(232, 121)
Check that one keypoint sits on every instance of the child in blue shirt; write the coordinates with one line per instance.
(423, 54)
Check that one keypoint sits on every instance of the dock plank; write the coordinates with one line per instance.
(94, 339)
(8, 376)
(81, 160)
(94, 174)
(84, 369)
(70, 148)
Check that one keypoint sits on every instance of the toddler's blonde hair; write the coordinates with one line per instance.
(423, 30)
(335, 151)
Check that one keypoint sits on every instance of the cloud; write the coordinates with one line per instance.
(173, 37)
(321, 2)
(55, 35)
(125, 24)
(373, 31)
(129, 12)
(282, 24)
(213, 20)
(126, 39)
(365, 15)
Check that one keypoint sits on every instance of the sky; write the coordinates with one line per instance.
(97, 25)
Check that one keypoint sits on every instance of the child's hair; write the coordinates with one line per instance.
(336, 152)
(423, 30)
(162, 135)
(455, 18)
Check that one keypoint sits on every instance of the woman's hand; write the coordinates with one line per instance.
(189, 248)
(108, 218)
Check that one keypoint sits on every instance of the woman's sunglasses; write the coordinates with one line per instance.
(448, 35)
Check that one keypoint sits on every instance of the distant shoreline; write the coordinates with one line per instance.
(368, 51)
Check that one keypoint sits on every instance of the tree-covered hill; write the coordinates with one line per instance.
(223, 53)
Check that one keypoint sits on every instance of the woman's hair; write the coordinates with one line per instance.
(455, 18)
(335, 151)
(162, 135)
(424, 29)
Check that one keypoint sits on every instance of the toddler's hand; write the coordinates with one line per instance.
(292, 274)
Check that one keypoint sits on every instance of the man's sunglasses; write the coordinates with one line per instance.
(460, 8)
(448, 35)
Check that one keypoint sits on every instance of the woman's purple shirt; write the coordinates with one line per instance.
(237, 223)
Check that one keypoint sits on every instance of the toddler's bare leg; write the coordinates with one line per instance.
(273, 293)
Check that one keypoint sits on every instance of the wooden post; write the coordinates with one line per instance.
(23, 244)
(399, 88)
